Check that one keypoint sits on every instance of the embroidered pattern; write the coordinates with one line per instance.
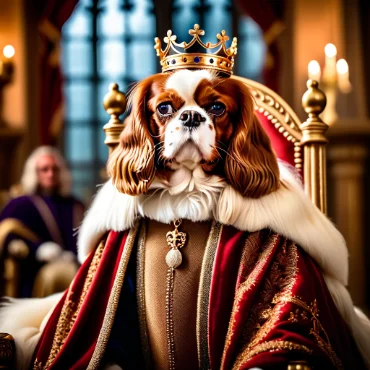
(280, 279)
(251, 279)
(317, 329)
(70, 311)
(278, 345)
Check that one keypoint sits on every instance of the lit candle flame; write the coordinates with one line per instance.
(342, 66)
(314, 70)
(330, 50)
(343, 76)
(8, 51)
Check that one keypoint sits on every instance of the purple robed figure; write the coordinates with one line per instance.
(37, 229)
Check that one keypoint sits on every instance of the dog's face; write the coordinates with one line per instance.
(193, 118)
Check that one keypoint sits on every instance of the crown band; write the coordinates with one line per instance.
(196, 54)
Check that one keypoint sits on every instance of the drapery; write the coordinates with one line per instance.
(51, 14)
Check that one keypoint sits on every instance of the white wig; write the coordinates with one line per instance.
(29, 179)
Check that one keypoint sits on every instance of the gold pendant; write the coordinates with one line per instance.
(175, 240)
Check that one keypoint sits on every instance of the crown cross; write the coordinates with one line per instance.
(196, 54)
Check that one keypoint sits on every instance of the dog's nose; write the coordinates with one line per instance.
(191, 118)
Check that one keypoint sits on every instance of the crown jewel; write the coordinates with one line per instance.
(196, 54)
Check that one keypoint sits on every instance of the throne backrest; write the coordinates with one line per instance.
(308, 137)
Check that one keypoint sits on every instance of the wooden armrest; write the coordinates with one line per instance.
(7, 351)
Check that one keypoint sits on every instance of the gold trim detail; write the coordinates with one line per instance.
(170, 330)
(245, 286)
(203, 295)
(317, 327)
(113, 300)
(140, 293)
(277, 345)
(280, 279)
(69, 312)
(12, 225)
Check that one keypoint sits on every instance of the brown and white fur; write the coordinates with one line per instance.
(219, 167)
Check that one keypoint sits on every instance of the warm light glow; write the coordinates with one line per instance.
(330, 50)
(8, 51)
(313, 68)
(342, 66)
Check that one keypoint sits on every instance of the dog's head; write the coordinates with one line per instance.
(193, 118)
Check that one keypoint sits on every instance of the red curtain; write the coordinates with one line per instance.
(52, 14)
(268, 14)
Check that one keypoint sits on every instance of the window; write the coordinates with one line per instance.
(103, 42)
(108, 41)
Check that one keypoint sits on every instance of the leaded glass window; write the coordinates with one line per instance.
(103, 41)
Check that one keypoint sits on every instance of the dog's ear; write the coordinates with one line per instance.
(131, 165)
(252, 166)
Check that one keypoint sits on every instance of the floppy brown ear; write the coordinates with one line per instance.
(252, 166)
(131, 165)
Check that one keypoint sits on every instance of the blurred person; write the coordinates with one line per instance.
(37, 227)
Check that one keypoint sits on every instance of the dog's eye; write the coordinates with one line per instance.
(217, 109)
(165, 109)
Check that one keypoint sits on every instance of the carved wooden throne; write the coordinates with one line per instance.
(308, 138)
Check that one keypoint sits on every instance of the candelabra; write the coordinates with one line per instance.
(334, 79)
(6, 73)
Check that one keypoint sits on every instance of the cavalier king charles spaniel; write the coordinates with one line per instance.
(193, 130)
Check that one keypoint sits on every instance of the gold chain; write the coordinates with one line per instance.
(175, 240)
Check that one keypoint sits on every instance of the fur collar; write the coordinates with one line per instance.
(195, 196)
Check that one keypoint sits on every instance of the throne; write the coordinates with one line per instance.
(308, 139)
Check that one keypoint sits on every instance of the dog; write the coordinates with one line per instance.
(193, 149)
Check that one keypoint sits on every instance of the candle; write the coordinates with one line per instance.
(330, 62)
(314, 70)
(343, 76)
(6, 64)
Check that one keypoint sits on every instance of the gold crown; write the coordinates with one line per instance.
(196, 54)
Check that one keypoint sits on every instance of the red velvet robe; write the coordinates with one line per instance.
(264, 303)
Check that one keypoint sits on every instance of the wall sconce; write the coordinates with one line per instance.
(334, 79)
(6, 73)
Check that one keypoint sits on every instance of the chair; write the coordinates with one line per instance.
(308, 139)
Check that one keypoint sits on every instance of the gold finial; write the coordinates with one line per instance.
(115, 104)
(314, 141)
(313, 100)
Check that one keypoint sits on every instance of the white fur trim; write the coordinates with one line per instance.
(357, 321)
(289, 212)
(110, 210)
(196, 196)
(25, 320)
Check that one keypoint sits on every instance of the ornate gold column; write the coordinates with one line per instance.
(314, 144)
